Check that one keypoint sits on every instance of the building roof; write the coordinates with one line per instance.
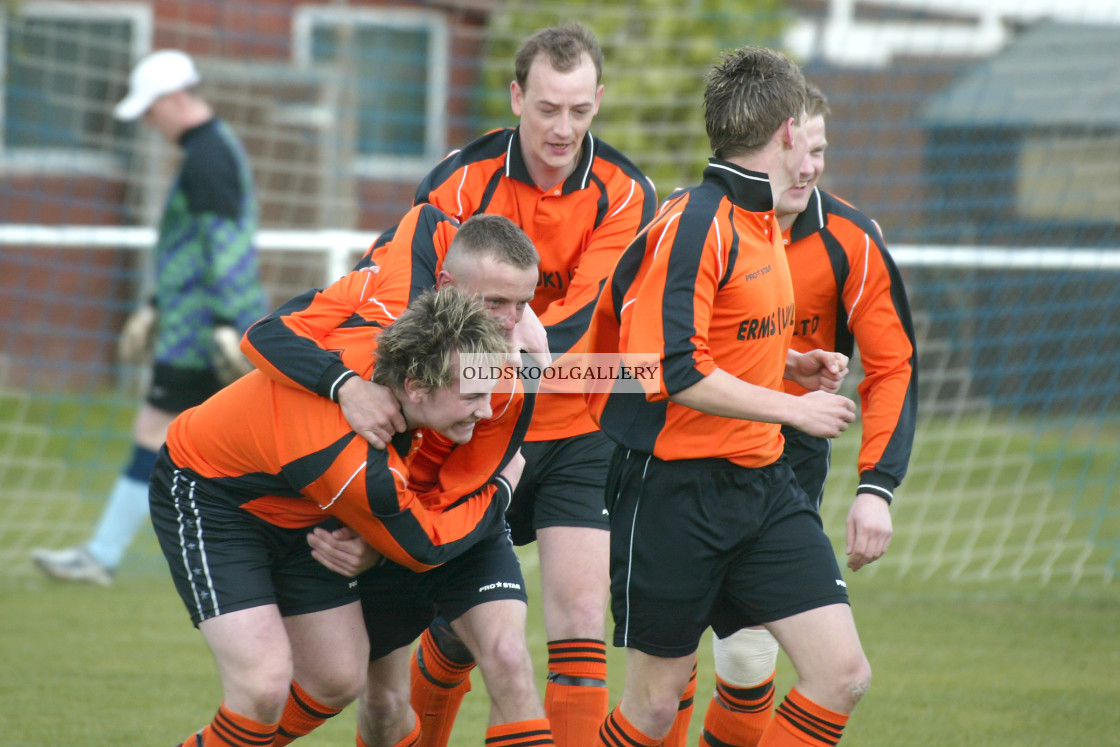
(1015, 11)
(1052, 74)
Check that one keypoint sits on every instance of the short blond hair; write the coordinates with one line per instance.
(816, 103)
(421, 344)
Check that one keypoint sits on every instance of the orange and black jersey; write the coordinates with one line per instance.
(580, 228)
(289, 457)
(849, 291)
(705, 286)
(287, 344)
(319, 339)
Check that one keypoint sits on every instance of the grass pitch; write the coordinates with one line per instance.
(1009, 666)
(959, 658)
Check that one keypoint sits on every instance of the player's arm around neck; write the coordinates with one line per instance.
(373, 411)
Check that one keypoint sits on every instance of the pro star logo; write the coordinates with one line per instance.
(757, 273)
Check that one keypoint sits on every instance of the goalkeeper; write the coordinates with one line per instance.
(207, 292)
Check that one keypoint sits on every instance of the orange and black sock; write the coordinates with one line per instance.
(302, 715)
(576, 697)
(737, 716)
(678, 734)
(617, 731)
(520, 734)
(229, 729)
(799, 721)
(412, 740)
(439, 684)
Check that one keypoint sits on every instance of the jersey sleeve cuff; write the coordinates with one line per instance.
(878, 484)
(504, 492)
(332, 379)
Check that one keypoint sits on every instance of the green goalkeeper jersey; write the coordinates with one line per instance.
(207, 272)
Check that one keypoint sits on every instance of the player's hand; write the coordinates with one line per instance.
(342, 551)
(869, 530)
(817, 370)
(823, 415)
(371, 410)
(138, 335)
(226, 358)
(529, 336)
(512, 471)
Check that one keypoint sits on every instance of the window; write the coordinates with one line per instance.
(389, 69)
(65, 65)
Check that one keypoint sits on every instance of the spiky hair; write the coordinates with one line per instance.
(750, 93)
(421, 344)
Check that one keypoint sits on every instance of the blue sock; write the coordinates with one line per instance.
(126, 510)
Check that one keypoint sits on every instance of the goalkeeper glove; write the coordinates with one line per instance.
(138, 335)
(226, 358)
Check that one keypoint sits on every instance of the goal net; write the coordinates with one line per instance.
(1015, 462)
(983, 137)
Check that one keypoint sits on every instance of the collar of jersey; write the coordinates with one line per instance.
(747, 189)
(811, 220)
(577, 180)
(402, 443)
(193, 132)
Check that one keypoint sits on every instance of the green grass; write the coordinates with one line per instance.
(993, 620)
(1009, 665)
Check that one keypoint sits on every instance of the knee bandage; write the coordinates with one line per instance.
(745, 658)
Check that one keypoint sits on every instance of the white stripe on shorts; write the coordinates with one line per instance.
(184, 522)
(630, 551)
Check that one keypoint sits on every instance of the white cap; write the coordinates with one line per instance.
(158, 74)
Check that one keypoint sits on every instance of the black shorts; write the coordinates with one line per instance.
(704, 542)
(177, 389)
(399, 604)
(223, 558)
(561, 486)
(808, 457)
